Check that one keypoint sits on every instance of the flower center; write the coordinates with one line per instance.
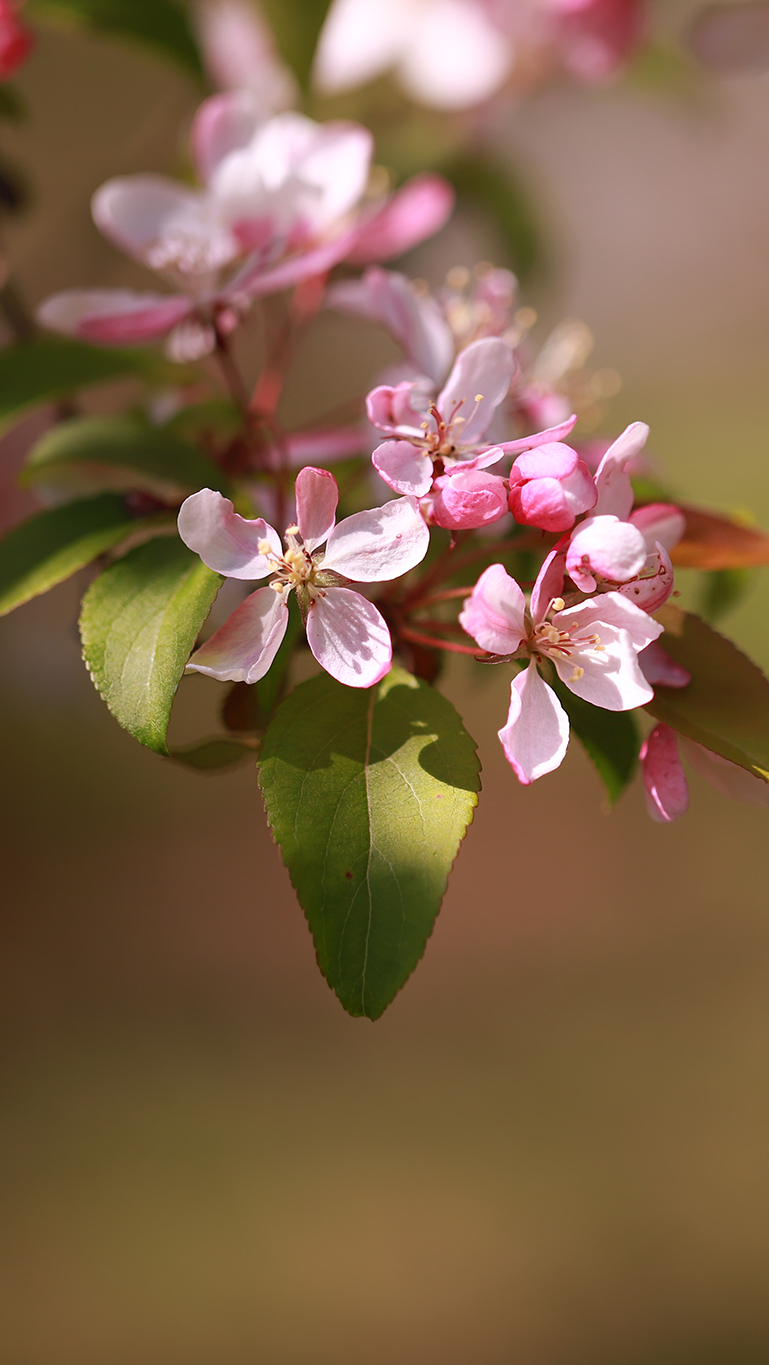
(443, 441)
(295, 568)
(549, 641)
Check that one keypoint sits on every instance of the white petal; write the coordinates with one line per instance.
(118, 317)
(548, 585)
(484, 368)
(225, 541)
(606, 547)
(536, 736)
(163, 224)
(494, 613)
(316, 501)
(349, 638)
(245, 646)
(376, 546)
(615, 491)
(404, 467)
(359, 40)
(222, 124)
(455, 58)
(613, 609)
(611, 676)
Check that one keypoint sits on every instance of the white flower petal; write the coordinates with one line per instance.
(359, 40)
(610, 676)
(536, 735)
(484, 368)
(376, 546)
(316, 501)
(414, 320)
(404, 467)
(455, 58)
(118, 317)
(349, 638)
(494, 612)
(615, 491)
(243, 649)
(225, 541)
(163, 224)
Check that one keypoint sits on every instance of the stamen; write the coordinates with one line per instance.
(577, 674)
(557, 604)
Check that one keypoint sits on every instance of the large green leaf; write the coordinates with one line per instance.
(610, 738)
(160, 25)
(53, 545)
(51, 367)
(139, 622)
(127, 451)
(726, 704)
(369, 793)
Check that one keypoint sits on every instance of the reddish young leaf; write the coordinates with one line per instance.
(717, 542)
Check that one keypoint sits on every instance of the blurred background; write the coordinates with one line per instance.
(551, 1150)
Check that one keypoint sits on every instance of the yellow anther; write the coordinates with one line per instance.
(292, 530)
(264, 547)
(479, 397)
(577, 674)
(458, 277)
(558, 604)
(295, 559)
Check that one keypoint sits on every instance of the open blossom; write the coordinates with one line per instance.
(456, 53)
(665, 784)
(593, 647)
(444, 436)
(317, 559)
(282, 202)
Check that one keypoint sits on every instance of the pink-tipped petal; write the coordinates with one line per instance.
(660, 670)
(659, 522)
(478, 383)
(413, 319)
(727, 777)
(493, 614)
(223, 124)
(612, 608)
(551, 460)
(655, 583)
(468, 499)
(416, 211)
(605, 547)
(377, 546)
(404, 467)
(256, 279)
(541, 503)
(349, 638)
(243, 649)
(163, 224)
(548, 585)
(317, 497)
(225, 541)
(665, 785)
(536, 736)
(615, 491)
(540, 438)
(117, 317)
(392, 409)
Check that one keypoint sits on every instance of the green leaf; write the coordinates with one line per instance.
(610, 739)
(53, 545)
(368, 793)
(126, 451)
(490, 184)
(296, 25)
(139, 622)
(214, 755)
(721, 591)
(160, 25)
(52, 367)
(726, 704)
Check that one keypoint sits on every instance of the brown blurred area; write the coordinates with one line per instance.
(552, 1148)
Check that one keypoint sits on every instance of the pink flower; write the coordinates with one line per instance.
(665, 785)
(16, 40)
(605, 548)
(549, 487)
(593, 647)
(432, 438)
(346, 632)
(239, 53)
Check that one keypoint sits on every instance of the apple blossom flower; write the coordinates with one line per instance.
(593, 647)
(432, 438)
(346, 633)
(665, 784)
(16, 39)
(281, 203)
(550, 486)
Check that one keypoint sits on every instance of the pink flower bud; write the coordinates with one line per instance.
(16, 40)
(667, 791)
(549, 487)
(654, 584)
(468, 499)
(659, 521)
